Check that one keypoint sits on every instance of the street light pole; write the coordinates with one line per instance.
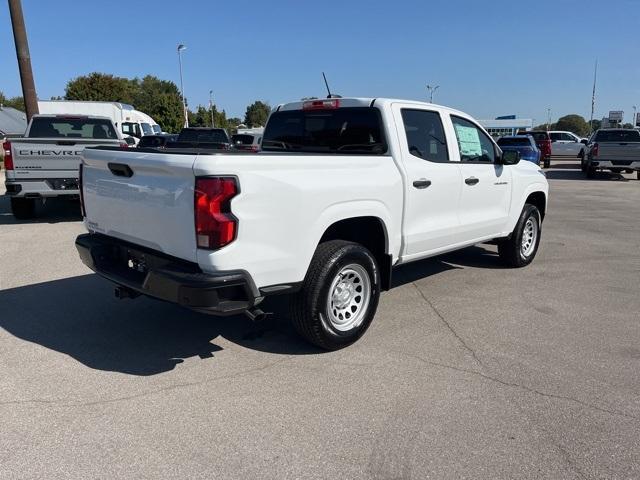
(184, 101)
(24, 58)
(211, 107)
(432, 90)
(548, 118)
(633, 120)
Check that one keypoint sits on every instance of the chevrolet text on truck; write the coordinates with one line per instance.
(344, 190)
(44, 163)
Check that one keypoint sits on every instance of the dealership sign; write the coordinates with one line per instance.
(616, 115)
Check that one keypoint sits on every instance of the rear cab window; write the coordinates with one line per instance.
(242, 139)
(620, 136)
(425, 135)
(342, 130)
(72, 127)
(514, 142)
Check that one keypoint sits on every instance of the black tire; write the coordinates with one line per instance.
(547, 163)
(23, 208)
(638, 174)
(590, 171)
(310, 309)
(510, 249)
(583, 166)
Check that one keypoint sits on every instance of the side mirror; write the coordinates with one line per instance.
(584, 141)
(130, 141)
(510, 157)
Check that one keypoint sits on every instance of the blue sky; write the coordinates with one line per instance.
(489, 57)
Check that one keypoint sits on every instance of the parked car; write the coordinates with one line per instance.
(202, 137)
(157, 141)
(346, 189)
(245, 141)
(543, 142)
(44, 163)
(565, 144)
(524, 144)
(614, 149)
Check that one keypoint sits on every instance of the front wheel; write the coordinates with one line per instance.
(521, 247)
(547, 163)
(339, 295)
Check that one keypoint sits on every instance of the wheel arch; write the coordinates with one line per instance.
(370, 232)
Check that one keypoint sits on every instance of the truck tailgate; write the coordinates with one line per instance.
(619, 151)
(143, 198)
(31, 156)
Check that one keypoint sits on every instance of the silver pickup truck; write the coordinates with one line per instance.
(44, 163)
(615, 149)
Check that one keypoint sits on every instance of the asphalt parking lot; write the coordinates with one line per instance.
(468, 371)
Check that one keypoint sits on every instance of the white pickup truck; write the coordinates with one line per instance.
(44, 163)
(344, 190)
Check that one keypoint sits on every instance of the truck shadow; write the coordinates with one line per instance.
(578, 175)
(54, 211)
(80, 317)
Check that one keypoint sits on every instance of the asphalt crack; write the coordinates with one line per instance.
(522, 387)
(449, 327)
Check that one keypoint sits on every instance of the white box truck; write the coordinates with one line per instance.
(132, 123)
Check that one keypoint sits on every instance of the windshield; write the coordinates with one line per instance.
(156, 128)
(203, 136)
(72, 127)
(618, 136)
(146, 129)
(130, 128)
(340, 130)
(514, 142)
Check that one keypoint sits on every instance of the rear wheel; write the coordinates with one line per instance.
(339, 295)
(23, 208)
(638, 174)
(591, 171)
(547, 163)
(521, 247)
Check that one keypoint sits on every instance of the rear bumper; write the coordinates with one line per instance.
(53, 187)
(623, 164)
(167, 278)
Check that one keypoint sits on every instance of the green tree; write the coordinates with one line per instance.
(573, 123)
(595, 124)
(161, 100)
(257, 114)
(101, 87)
(14, 102)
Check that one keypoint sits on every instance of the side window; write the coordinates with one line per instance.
(473, 143)
(425, 135)
(555, 137)
(569, 137)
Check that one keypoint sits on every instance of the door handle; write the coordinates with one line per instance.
(120, 169)
(471, 180)
(421, 183)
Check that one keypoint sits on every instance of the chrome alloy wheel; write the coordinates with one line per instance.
(349, 297)
(529, 237)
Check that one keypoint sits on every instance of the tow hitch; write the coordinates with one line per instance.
(125, 292)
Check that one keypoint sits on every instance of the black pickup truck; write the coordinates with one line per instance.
(202, 137)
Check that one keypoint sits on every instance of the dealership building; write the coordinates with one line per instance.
(506, 125)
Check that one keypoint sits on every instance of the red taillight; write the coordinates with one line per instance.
(254, 148)
(124, 145)
(595, 150)
(82, 210)
(215, 225)
(8, 157)
(321, 104)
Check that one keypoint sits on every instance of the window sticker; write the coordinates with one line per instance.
(468, 141)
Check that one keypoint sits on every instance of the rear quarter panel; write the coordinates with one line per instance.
(286, 203)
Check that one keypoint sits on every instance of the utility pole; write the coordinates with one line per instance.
(432, 90)
(593, 95)
(211, 107)
(184, 100)
(633, 120)
(548, 118)
(24, 59)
